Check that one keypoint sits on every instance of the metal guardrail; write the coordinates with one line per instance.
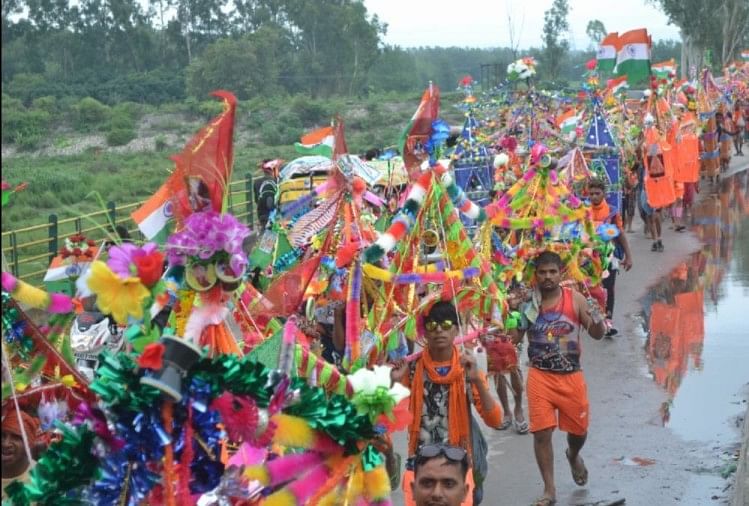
(28, 251)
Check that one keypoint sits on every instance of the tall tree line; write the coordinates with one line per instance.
(157, 51)
(319, 47)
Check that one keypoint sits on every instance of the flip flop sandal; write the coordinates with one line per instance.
(544, 501)
(520, 427)
(580, 478)
(506, 423)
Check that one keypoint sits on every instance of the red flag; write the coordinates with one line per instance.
(339, 148)
(287, 292)
(420, 128)
(203, 169)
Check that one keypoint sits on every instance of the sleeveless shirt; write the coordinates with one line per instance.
(554, 338)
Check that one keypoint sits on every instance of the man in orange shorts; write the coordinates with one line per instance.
(557, 394)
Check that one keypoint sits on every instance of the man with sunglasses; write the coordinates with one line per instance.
(440, 476)
(556, 389)
(439, 381)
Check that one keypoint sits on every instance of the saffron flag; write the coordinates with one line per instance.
(745, 55)
(418, 130)
(664, 69)
(319, 142)
(606, 54)
(633, 55)
(155, 215)
(202, 171)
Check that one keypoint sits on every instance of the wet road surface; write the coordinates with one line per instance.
(664, 405)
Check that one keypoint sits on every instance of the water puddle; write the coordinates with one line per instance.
(696, 322)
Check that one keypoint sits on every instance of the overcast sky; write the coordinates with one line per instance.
(483, 23)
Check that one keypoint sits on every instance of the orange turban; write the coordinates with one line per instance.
(30, 425)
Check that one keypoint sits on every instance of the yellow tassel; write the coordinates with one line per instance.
(30, 295)
(293, 432)
(377, 482)
(281, 498)
(259, 473)
(186, 300)
(331, 498)
(355, 486)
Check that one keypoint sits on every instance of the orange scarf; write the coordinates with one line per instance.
(600, 212)
(459, 429)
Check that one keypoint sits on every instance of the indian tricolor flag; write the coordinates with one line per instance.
(663, 69)
(606, 54)
(633, 56)
(320, 143)
(154, 216)
(567, 121)
(617, 85)
(745, 55)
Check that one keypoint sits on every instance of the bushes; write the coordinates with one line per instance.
(120, 136)
(309, 111)
(47, 104)
(160, 143)
(89, 114)
(26, 128)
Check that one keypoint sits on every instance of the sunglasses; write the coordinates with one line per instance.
(453, 453)
(431, 325)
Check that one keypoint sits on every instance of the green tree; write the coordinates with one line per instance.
(595, 31)
(555, 46)
(719, 25)
(249, 66)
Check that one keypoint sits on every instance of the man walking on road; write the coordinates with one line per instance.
(556, 389)
(602, 213)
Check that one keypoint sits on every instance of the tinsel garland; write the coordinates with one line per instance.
(64, 467)
(131, 473)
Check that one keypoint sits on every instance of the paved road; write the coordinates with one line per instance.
(625, 418)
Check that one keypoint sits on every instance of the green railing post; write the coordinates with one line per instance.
(53, 246)
(78, 225)
(250, 201)
(14, 253)
(112, 208)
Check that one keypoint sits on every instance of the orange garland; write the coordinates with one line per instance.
(166, 416)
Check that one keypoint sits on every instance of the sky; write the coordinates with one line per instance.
(484, 23)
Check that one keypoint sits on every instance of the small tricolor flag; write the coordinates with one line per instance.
(633, 55)
(567, 121)
(664, 69)
(154, 216)
(745, 55)
(59, 269)
(319, 142)
(606, 54)
(617, 85)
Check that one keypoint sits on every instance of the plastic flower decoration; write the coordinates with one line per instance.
(209, 237)
(523, 68)
(373, 393)
(128, 260)
(607, 232)
(120, 297)
(78, 248)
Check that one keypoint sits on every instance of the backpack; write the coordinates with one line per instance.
(266, 195)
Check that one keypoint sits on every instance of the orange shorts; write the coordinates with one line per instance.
(549, 392)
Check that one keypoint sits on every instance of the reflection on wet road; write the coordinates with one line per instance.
(697, 321)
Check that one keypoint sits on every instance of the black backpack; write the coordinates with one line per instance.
(266, 196)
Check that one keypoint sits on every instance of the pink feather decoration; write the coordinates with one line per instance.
(9, 282)
(59, 303)
(306, 486)
(284, 469)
